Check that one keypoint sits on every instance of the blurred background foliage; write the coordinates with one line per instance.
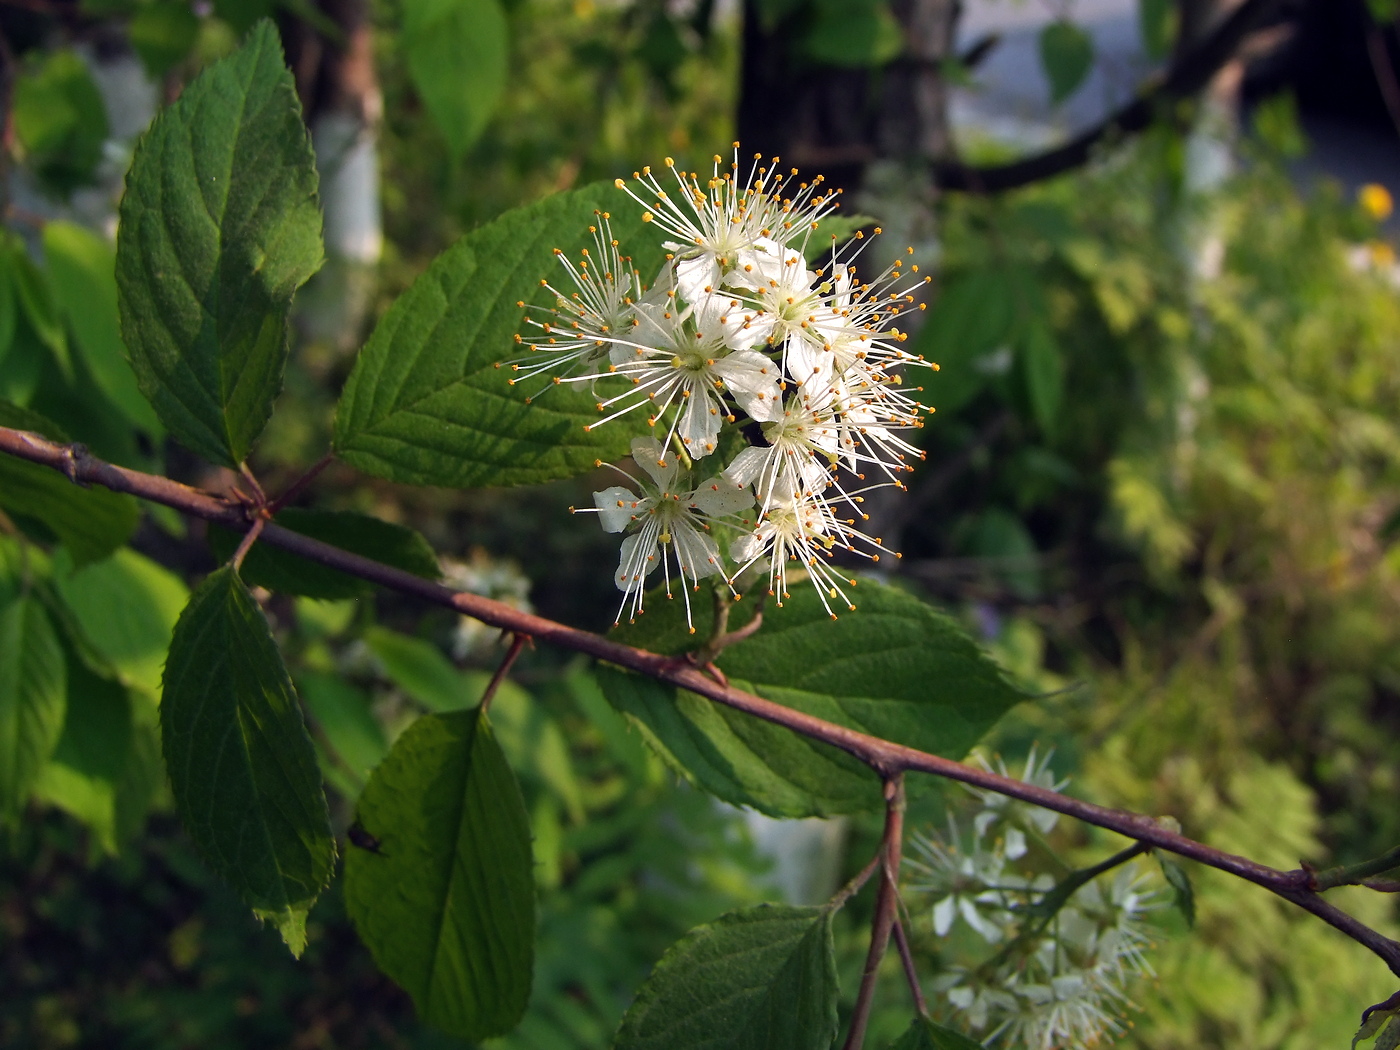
(1162, 485)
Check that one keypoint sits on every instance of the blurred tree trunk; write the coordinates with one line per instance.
(340, 94)
(839, 121)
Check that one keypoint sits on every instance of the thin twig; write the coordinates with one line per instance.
(1182, 81)
(297, 487)
(882, 756)
(250, 538)
(886, 909)
(1385, 73)
(1350, 874)
(858, 880)
(517, 642)
(259, 496)
(911, 973)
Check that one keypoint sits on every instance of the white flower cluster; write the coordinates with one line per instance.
(737, 350)
(1056, 982)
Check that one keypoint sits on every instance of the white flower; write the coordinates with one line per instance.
(668, 523)
(678, 358)
(580, 330)
(803, 529)
(1067, 1011)
(1011, 817)
(966, 883)
(710, 224)
(786, 304)
(802, 445)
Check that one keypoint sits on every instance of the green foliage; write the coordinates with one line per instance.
(1383, 11)
(83, 267)
(33, 692)
(1066, 55)
(240, 763)
(896, 669)
(763, 977)
(90, 522)
(456, 52)
(1157, 22)
(150, 598)
(87, 775)
(923, 1034)
(287, 573)
(60, 120)
(446, 903)
(162, 32)
(1384, 1025)
(428, 402)
(859, 34)
(1183, 896)
(219, 226)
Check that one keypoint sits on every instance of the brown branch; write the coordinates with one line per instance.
(911, 974)
(297, 487)
(517, 643)
(885, 758)
(886, 909)
(1183, 80)
(1384, 71)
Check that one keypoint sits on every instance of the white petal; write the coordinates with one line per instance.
(750, 547)
(697, 274)
(700, 421)
(720, 497)
(616, 508)
(943, 914)
(748, 465)
(696, 553)
(637, 560)
(1015, 843)
(648, 454)
(753, 380)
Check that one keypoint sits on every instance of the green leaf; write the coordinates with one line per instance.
(923, 1034)
(966, 330)
(162, 33)
(1045, 374)
(896, 669)
(242, 768)
(853, 35)
(241, 15)
(1066, 54)
(739, 759)
(60, 120)
(1003, 539)
(426, 403)
(33, 690)
(150, 598)
(36, 299)
(89, 522)
(342, 712)
(456, 52)
(420, 670)
(90, 761)
(219, 226)
(447, 904)
(762, 978)
(1385, 1024)
(85, 285)
(1157, 20)
(9, 304)
(287, 573)
(1183, 896)
(1384, 11)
